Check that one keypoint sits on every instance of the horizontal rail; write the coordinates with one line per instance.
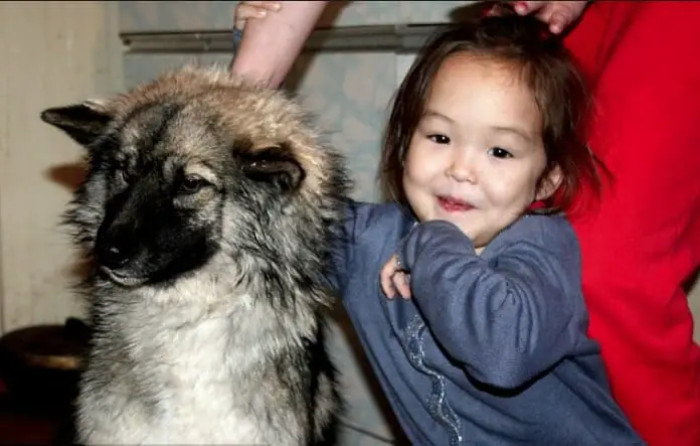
(396, 38)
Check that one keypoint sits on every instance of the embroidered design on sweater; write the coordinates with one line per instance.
(438, 406)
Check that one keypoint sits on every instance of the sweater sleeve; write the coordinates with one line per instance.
(506, 319)
(341, 247)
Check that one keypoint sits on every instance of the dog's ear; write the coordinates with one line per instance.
(83, 122)
(274, 165)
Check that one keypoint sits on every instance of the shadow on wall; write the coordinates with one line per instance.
(71, 176)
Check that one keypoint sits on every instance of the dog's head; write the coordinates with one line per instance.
(195, 164)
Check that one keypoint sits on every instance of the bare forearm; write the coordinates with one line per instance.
(271, 44)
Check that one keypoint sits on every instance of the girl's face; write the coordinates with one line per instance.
(477, 154)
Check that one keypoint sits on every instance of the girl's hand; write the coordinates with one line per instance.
(253, 10)
(557, 14)
(394, 278)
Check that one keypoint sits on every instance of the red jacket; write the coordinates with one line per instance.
(641, 243)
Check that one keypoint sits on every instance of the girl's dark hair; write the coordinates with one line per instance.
(546, 68)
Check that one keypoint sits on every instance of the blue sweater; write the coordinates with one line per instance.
(490, 349)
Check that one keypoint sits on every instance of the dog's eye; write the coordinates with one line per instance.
(192, 184)
(121, 170)
(258, 164)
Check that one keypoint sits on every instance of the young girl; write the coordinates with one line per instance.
(490, 345)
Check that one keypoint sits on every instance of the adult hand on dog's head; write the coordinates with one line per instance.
(557, 14)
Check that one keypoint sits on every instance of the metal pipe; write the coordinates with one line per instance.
(394, 38)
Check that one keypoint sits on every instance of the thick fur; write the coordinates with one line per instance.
(208, 209)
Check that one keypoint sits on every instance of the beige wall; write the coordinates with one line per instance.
(51, 53)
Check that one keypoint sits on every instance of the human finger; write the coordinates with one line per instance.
(401, 282)
(564, 14)
(558, 15)
(386, 277)
(253, 10)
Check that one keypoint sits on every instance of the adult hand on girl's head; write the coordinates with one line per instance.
(557, 14)
(394, 279)
(253, 10)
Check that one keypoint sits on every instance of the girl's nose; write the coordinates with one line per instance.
(461, 168)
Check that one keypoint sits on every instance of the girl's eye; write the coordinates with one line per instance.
(499, 152)
(439, 139)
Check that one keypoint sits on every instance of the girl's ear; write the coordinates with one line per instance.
(549, 183)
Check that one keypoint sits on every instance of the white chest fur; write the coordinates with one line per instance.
(196, 373)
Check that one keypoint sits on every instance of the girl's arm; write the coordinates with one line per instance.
(509, 319)
(271, 44)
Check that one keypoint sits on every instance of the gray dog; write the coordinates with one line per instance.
(208, 208)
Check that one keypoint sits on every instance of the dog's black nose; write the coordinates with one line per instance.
(113, 255)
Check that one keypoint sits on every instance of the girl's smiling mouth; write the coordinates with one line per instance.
(452, 204)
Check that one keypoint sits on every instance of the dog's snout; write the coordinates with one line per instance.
(114, 252)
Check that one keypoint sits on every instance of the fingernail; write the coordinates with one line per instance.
(261, 13)
(520, 7)
(276, 6)
(556, 28)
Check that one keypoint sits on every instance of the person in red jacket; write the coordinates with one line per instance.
(640, 244)
(640, 239)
